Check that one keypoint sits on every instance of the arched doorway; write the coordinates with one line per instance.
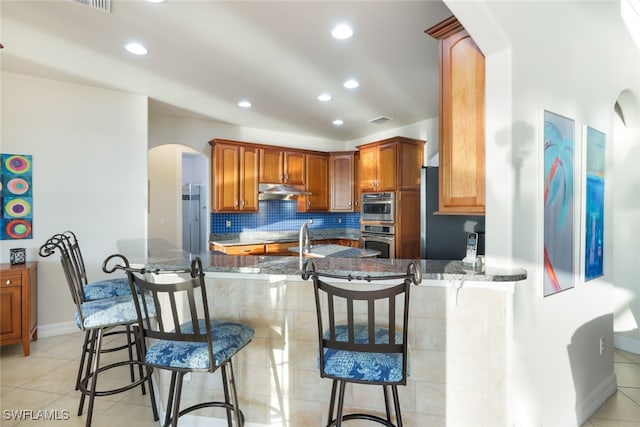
(626, 220)
(178, 189)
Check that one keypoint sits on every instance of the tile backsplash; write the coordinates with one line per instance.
(280, 215)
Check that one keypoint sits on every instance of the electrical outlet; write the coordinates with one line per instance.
(601, 346)
(228, 224)
(339, 220)
(310, 220)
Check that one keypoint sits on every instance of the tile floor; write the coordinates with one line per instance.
(45, 380)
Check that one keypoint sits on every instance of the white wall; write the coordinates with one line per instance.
(572, 58)
(89, 149)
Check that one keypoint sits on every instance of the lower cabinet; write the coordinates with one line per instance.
(279, 249)
(19, 304)
(239, 249)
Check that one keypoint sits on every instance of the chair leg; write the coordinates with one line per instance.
(386, 403)
(227, 399)
(94, 375)
(83, 358)
(234, 396)
(396, 404)
(169, 409)
(332, 401)
(176, 403)
(340, 404)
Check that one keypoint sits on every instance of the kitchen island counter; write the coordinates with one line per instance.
(459, 318)
(433, 270)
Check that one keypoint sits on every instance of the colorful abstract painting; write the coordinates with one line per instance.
(16, 197)
(558, 203)
(594, 205)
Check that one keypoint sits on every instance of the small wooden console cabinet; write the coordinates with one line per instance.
(18, 304)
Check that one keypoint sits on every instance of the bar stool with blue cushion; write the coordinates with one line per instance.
(76, 274)
(92, 290)
(362, 336)
(185, 338)
(97, 318)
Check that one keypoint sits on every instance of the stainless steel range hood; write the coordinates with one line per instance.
(279, 192)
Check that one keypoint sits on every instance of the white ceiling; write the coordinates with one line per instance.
(205, 56)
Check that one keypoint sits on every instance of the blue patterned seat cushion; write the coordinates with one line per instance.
(110, 311)
(228, 338)
(107, 288)
(362, 366)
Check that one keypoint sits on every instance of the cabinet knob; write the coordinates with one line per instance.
(243, 203)
(235, 202)
(8, 281)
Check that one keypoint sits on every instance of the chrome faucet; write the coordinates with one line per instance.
(304, 242)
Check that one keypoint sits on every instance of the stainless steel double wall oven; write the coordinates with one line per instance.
(377, 223)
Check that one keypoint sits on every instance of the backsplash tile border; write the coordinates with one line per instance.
(281, 215)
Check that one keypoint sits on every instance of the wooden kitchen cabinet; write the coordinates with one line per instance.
(257, 249)
(407, 239)
(317, 178)
(278, 166)
(235, 176)
(341, 173)
(19, 304)
(279, 249)
(391, 164)
(357, 192)
(461, 120)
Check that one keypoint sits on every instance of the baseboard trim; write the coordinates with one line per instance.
(596, 398)
(55, 329)
(631, 345)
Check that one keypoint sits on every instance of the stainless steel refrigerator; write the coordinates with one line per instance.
(444, 236)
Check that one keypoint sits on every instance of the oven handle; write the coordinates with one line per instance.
(372, 236)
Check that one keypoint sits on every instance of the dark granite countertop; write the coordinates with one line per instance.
(157, 254)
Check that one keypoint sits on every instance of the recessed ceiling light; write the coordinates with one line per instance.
(324, 97)
(155, 1)
(338, 122)
(244, 104)
(136, 48)
(351, 84)
(342, 31)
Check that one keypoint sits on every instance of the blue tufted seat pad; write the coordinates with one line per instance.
(228, 338)
(110, 312)
(363, 366)
(107, 288)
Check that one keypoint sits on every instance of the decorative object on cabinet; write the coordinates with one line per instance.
(594, 204)
(558, 202)
(17, 256)
(461, 120)
(16, 197)
(19, 304)
(234, 176)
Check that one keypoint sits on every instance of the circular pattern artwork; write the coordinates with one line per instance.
(18, 229)
(17, 208)
(17, 164)
(17, 186)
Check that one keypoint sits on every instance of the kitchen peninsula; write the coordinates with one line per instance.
(460, 326)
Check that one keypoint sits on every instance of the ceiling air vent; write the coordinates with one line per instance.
(380, 120)
(103, 5)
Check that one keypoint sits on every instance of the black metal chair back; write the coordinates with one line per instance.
(60, 242)
(181, 307)
(363, 335)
